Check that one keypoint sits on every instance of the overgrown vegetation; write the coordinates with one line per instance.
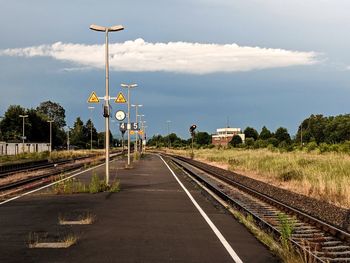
(286, 228)
(96, 185)
(323, 176)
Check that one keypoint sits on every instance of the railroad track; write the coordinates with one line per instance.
(53, 170)
(318, 239)
(8, 170)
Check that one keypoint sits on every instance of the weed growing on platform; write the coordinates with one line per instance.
(114, 187)
(69, 186)
(74, 186)
(96, 184)
(83, 219)
(37, 240)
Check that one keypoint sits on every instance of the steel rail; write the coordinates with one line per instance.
(54, 172)
(337, 233)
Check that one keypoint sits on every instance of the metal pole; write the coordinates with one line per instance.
(23, 117)
(301, 134)
(136, 134)
(50, 149)
(107, 117)
(91, 109)
(23, 135)
(68, 142)
(169, 143)
(128, 126)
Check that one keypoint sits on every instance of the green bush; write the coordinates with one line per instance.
(324, 147)
(249, 143)
(260, 144)
(311, 146)
(290, 175)
(272, 141)
(96, 184)
(345, 147)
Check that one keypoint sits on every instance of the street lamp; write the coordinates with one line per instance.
(106, 107)
(169, 144)
(128, 86)
(91, 108)
(50, 121)
(136, 134)
(144, 137)
(23, 137)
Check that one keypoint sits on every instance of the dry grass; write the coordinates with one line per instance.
(84, 219)
(322, 176)
(35, 241)
(56, 155)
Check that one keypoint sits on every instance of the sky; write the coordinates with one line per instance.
(248, 63)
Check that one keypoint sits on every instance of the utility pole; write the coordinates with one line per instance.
(50, 121)
(91, 109)
(23, 137)
(128, 86)
(136, 118)
(169, 143)
(68, 141)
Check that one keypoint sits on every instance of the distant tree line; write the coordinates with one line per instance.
(37, 128)
(201, 139)
(316, 132)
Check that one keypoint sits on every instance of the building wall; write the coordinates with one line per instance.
(16, 148)
(223, 138)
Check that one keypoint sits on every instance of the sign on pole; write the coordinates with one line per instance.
(120, 98)
(93, 98)
(123, 126)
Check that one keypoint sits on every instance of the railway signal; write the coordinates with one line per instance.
(192, 131)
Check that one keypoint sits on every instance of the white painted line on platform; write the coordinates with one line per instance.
(51, 184)
(222, 239)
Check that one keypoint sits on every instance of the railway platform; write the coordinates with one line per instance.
(157, 216)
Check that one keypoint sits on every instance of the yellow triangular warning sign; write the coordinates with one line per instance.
(120, 98)
(93, 98)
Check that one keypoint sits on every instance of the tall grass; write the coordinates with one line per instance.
(323, 176)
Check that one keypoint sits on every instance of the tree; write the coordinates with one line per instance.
(236, 140)
(87, 130)
(282, 134)
(251, 133)
(265, 133)
(77, 137)
(202, 138)
(37, 129)
(53, 111)
(11, 125)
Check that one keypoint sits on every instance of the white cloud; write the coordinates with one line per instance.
(183, 57)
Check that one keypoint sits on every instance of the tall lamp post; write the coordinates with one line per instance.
(128, 86)
(136, 134)
(168, 122)
(50, 121)
(91, 108)
(106, 107)
(144, 136)
(140, 118)
(23, 137)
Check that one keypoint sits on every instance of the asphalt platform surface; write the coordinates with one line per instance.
(151, 219)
